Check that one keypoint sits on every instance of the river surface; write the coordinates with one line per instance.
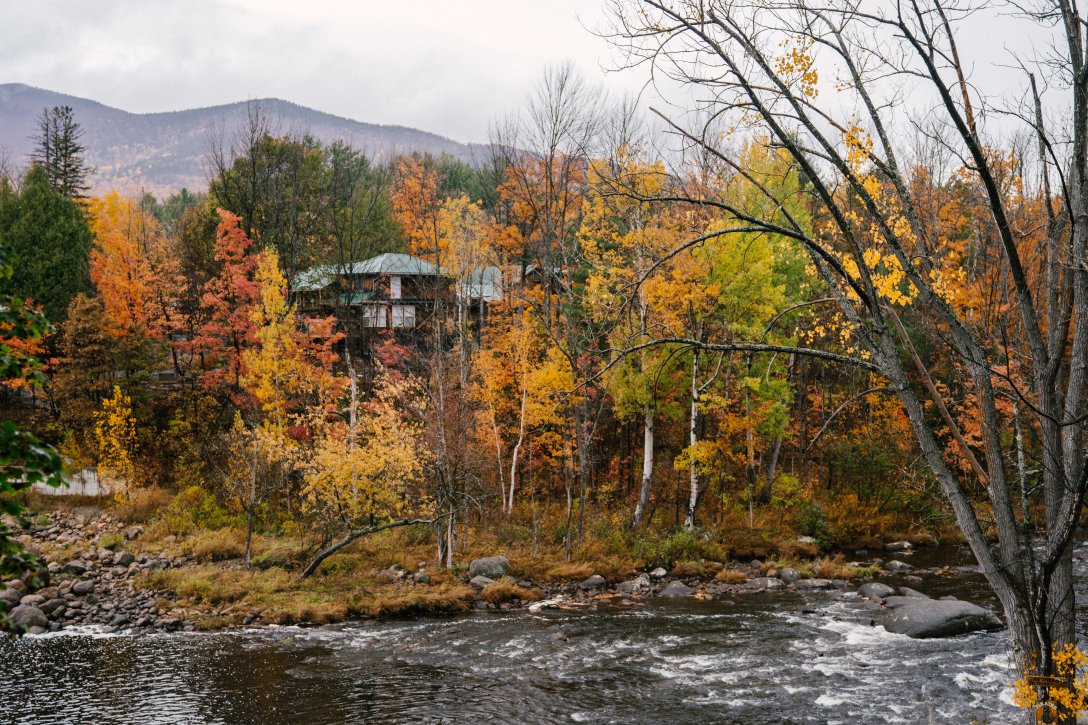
(759, 658)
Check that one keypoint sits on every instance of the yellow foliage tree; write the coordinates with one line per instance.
(366, 475)
(115, 431)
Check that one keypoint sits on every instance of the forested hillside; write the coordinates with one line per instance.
(163, 153)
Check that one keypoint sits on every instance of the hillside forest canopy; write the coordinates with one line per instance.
(770, 325)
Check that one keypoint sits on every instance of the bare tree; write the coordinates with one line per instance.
(755, 66)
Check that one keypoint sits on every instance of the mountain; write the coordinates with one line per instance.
(163, 152)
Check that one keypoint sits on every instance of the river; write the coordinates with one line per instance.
(778, 657)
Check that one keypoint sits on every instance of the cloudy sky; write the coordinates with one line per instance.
(449, 66)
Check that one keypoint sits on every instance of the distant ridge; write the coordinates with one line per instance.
(163, 152)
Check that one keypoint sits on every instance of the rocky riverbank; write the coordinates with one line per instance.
(98, 572)
(90, 578)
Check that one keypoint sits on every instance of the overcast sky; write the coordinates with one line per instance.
(446, 66)
(449, 66)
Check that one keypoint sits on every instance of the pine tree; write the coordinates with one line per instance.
(60, 153)
(49, 242)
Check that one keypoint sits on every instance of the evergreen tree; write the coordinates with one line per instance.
(60, 153)
(49, 241)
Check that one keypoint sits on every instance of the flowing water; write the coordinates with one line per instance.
(759, 658)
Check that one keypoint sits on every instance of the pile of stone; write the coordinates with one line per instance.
(87, 584)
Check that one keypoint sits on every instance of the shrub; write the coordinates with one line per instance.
(111, 541)
(195, 508)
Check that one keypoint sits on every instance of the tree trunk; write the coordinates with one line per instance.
(647, 465)
(693, 439)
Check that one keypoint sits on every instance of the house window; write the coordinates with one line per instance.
(373, 316)
(404, 316)
(394, 288)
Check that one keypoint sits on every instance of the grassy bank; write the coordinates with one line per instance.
(376, 576)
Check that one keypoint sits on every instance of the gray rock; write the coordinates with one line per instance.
(133, 531)
(594, 582)
(27, 616)
(908, 592)
(806, 540)
(421, 577)
(895, 565)
(18, 585)
(10, 597)
(54, 607)
(894, 602)
(789, 575)
(898, 546)
(927, 618)
(75, 566)
(492, 567)
(634, 586)
(479, 581)
(658, 573)
(677, 590)
(83, 587)
(812, 584)
(123, 558)
(875, 590)
(766, 583)
(34, 600)
(119, 620)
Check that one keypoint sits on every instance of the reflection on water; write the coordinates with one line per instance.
(758, 660)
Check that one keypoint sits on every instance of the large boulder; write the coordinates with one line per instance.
(875, 591)
(658, 573)
(27, 616)
(75, 566)
(811, 584)
(908, 592)
(927, 618)
(677, 590)
(594, 582)
(493, 567)
(51, 606)
(766, 583)
(790, 575)
(10, 598)
(634, 586)
(81, 588)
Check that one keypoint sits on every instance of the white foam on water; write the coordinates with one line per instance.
(826, 700)
(91, 631)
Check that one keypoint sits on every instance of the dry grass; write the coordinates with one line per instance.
(142, 504)
(505, 590)
(216, 545)
(731, 576)
(450, 597)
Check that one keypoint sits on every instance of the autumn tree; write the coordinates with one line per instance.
(286, 373)
(115, 432)
(881, 259)
(366, 473)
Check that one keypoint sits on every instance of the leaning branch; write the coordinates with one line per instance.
(358, 534)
